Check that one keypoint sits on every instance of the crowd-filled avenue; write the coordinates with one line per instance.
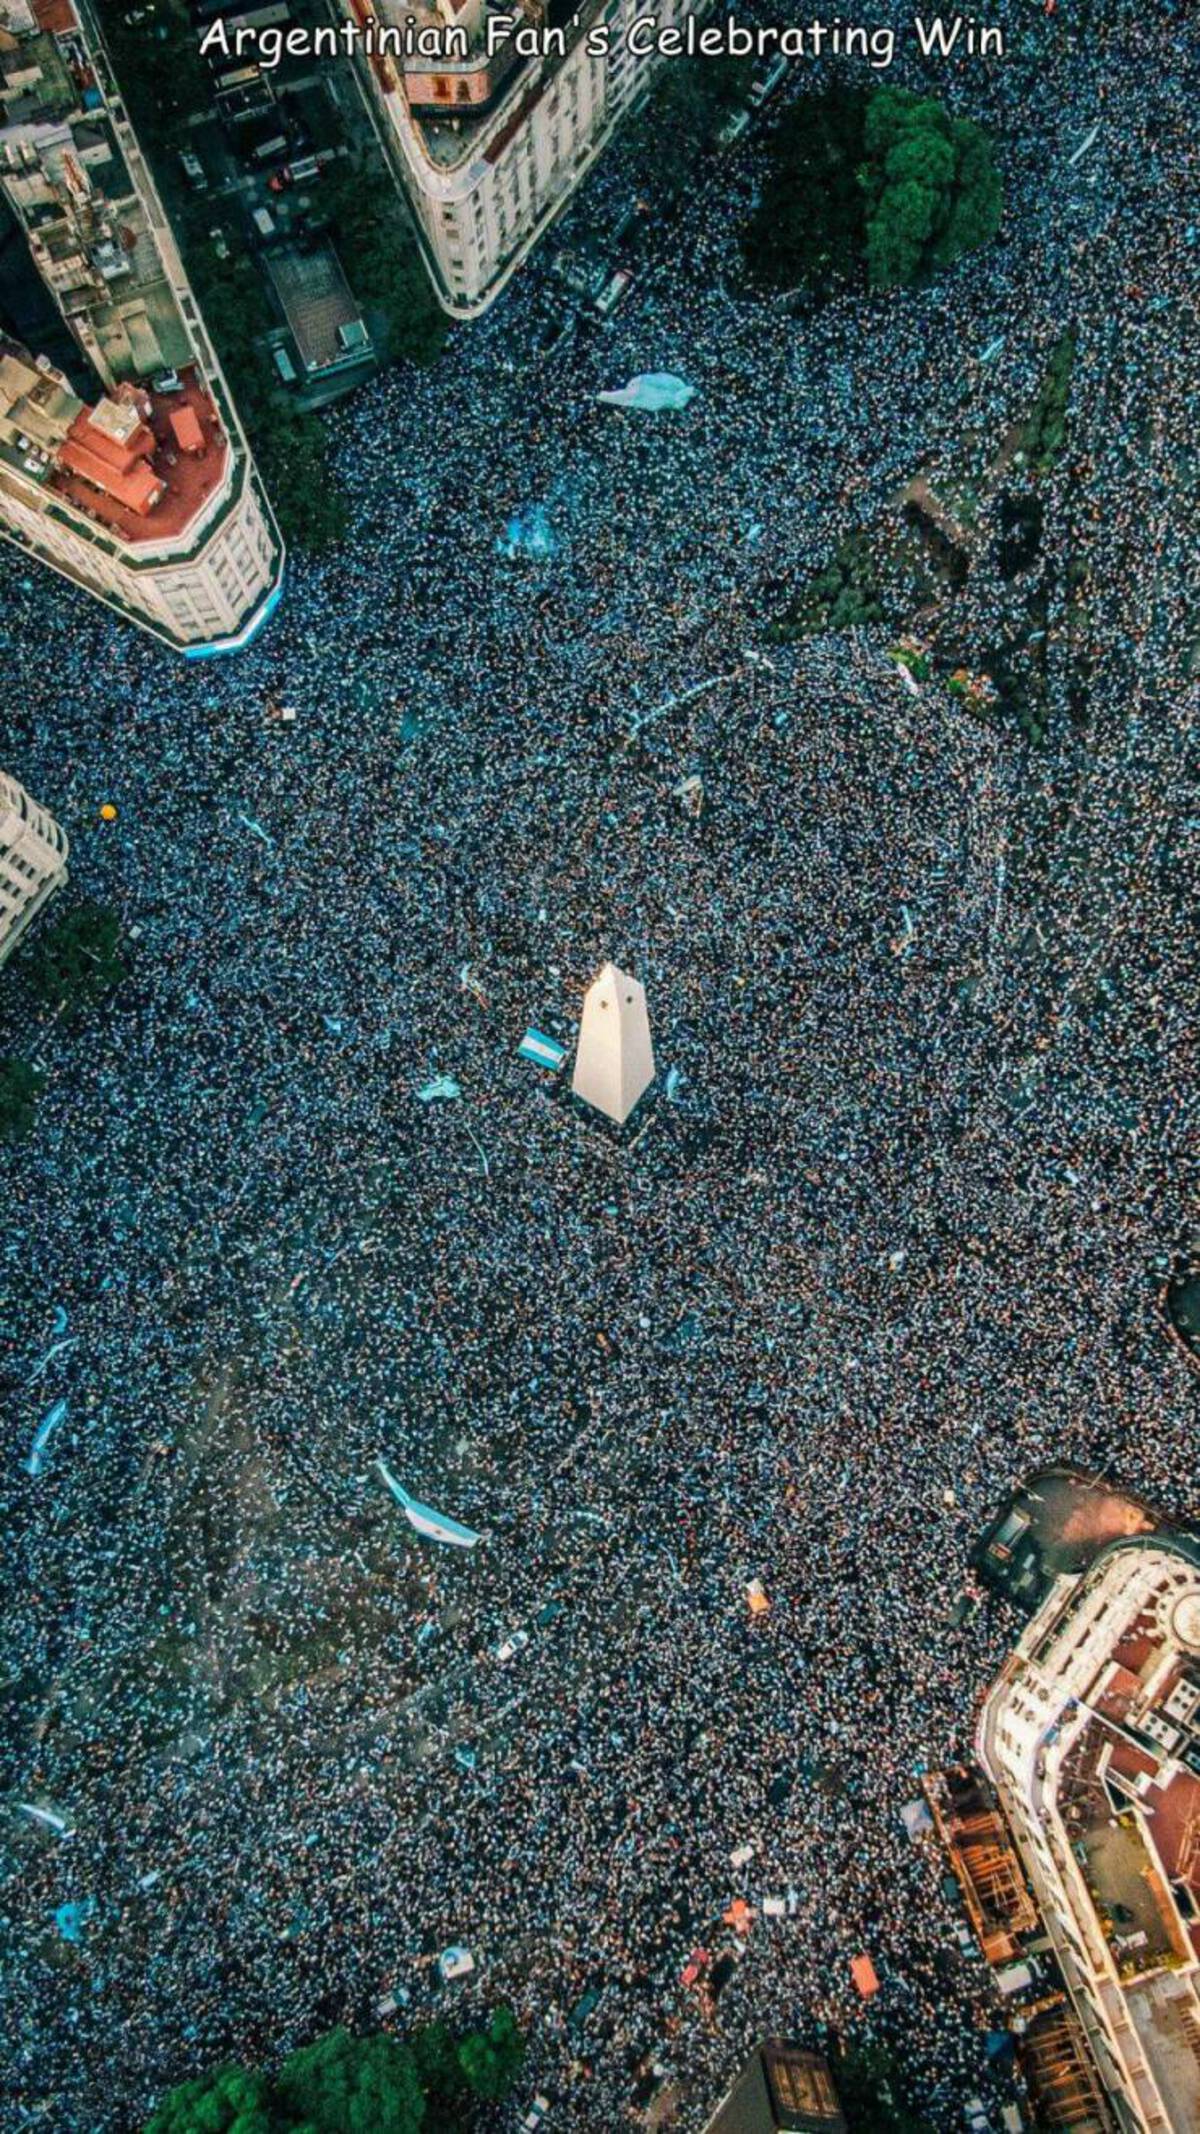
(890, 1231)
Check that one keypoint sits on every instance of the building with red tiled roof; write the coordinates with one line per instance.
(141, 498)
(136, 486)
(116, 465)
(150, 499)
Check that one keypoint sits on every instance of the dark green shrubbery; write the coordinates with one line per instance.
(845, 595)
(1046, 429)
(871, 189)
(341, 2084)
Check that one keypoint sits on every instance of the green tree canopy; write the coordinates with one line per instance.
(347, 2085)
(877, 188)
(491, 2059)
(290, 444)
(159, 68)
(75, 963)
(20, 1087)
(1046, 429)
(230, 2100)
(435, 2050)
(341, 2084)
(931, 189)
(865, 2078)
(677, 123)
(383, 261)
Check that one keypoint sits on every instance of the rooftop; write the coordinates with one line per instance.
(324, 320)
(56, 16)
(452, 100)
(1055, 1523)
(36, 84)
(1128, 1793)
(172, 477)
(781, 2090)
(143, 464)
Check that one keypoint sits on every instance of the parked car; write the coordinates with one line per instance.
(515, 1642)
(535, 2115)
(767, 83)
(220, 243)
(615, 289)
(193, 170)
(166, 381)
(733, 129)
(576, 272)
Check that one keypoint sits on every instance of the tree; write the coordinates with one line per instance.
(877, 188)
(681, 116)
(491, 2059)
(347, 2085)
(230, 2100)
(293, 455)
(931, 189)
(20, 1087)
(808, 228)
(341, 2084)
(864, 2075)
(78, 962)
(1046, 429)
(384, 264)
(435, 2050)
(291, 445)
(159, 67)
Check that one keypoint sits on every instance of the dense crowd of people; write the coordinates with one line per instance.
(889, 1234)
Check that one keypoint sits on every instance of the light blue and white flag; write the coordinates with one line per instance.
(431, 1525)
(542, 1050)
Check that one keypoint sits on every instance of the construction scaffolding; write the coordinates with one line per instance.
(1065, 2092)
(986, 1868)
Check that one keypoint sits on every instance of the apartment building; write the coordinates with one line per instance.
(1091, 1737)
(140, 499)
(490, 140)
(147, 495)
(33, 861)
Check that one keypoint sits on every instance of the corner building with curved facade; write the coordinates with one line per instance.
(490, 146)
(1091, 1736)
(140, 486)
(33, 861)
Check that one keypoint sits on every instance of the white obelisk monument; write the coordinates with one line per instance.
(614, 1060)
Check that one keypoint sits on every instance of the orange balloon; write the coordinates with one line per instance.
(108, 813)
